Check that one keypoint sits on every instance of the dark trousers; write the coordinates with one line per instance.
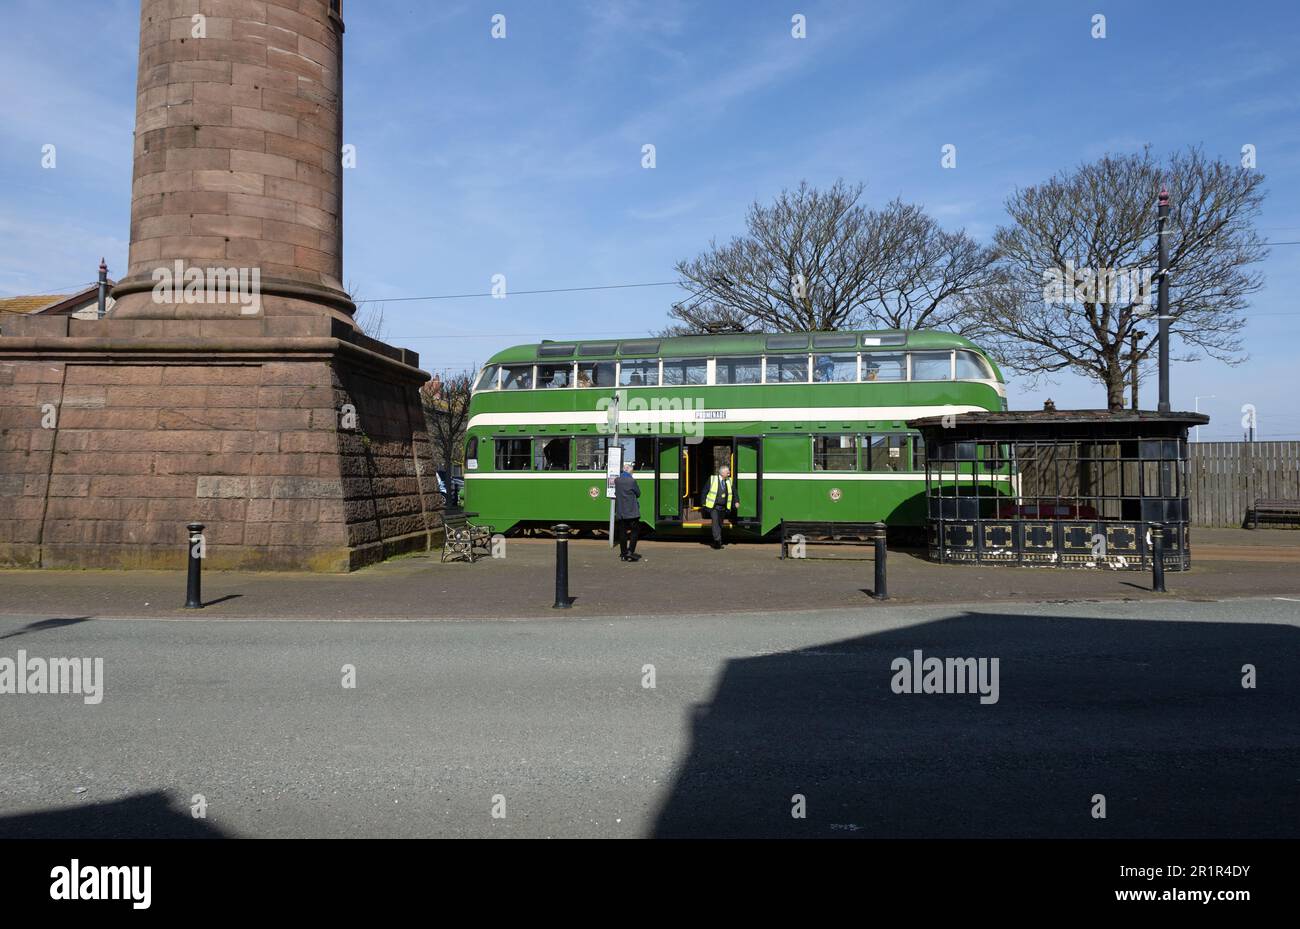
(718, 515)
(628, 531)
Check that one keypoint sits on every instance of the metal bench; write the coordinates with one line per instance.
(462, 541)
(1274, 509)
(826, 533)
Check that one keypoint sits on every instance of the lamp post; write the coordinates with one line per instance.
(1197, 403)
(1162, 300)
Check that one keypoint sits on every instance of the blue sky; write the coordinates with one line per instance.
(522, 156)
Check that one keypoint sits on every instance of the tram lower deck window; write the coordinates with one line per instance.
(512, 454)
(553, 454)
(834, 452)
(885, 452)
(641, 452)
(591, 453)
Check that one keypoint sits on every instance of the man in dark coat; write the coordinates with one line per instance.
(627, 513)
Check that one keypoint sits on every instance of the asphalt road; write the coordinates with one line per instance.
(1139, 702)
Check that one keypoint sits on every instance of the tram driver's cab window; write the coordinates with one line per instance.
(834, 452)
(517, 377)
(512, 454)
(552, 454)
(884, 366)
(595, 374)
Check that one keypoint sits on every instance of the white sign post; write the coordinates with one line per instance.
(613, 464)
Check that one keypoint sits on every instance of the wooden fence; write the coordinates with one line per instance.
(1227, 477)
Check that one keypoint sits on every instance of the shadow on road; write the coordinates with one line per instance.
(1150, 714)
(143, 816)
(41, 624)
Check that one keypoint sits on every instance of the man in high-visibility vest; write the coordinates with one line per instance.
(721, 501)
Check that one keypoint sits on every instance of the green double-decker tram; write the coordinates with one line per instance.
(813, 426)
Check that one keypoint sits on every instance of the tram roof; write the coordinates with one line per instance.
(737, 343)
(1012, 425)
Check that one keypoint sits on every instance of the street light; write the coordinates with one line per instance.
(1197, 402)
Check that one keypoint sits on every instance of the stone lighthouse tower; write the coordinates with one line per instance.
(239, 117)
(229, 385)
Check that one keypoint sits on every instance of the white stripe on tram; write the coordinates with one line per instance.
(776, 414)
(599, 476)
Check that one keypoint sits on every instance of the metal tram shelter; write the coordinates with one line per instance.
(1067, 488)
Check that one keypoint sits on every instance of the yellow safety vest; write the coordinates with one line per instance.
(715, 486)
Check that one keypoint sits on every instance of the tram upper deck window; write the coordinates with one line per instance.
(787, 369)
(488, 379)
(549, 376)
(639, 373)
(684, 372)
(971, 367)
(932, 366)
(737, 371)
(595, 374)
(835, 368)
(884, 366)
(517, 377)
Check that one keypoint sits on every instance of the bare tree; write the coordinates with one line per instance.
(369, 316)
(819, 260)
(1076, 268)
(446, 407)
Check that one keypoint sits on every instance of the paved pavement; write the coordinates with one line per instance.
(674, 578)
(1140, 702)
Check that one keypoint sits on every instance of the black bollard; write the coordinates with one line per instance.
(881, 591)
(1158, 557)
(562, 599)
(193, 595)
